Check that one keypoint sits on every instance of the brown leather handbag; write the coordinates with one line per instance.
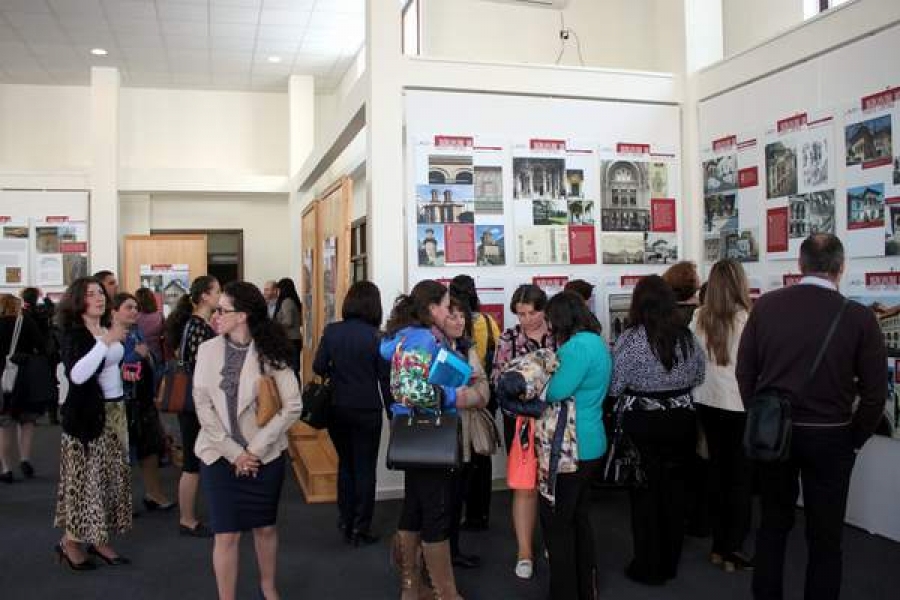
(175, 393)
(268, 400)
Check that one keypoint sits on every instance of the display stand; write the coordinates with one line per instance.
(325, 247)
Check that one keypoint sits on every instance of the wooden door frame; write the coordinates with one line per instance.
(206, 232)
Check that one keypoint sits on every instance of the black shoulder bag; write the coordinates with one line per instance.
(421, 440)
(767, 433)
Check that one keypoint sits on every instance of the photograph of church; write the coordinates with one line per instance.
(539, 178)
(781, 170)
(625, 199)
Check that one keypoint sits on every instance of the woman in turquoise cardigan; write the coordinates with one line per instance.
(585, 368)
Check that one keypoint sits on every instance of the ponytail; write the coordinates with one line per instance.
(177, 319)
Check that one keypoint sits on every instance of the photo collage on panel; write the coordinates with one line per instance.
(800, 182)
(638, 215)
(872, 166)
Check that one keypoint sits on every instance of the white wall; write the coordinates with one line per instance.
(263, 217)
(747, 24)
(44, 128)
(226, 131)
(614, 33)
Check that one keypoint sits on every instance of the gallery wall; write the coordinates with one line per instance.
(830, 88)
(746, 24)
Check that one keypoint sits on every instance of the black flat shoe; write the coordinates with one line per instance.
(199, 530)
(466, 561)
(362, 538)
(634, 575)
(150, 504)
(63, 558)
(7, 477)
(27, 469)
(115, 561)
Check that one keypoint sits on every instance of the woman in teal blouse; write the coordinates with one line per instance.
(585, 367)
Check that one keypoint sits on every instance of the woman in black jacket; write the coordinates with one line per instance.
(16, 411)
(94, 495)
(348, 355)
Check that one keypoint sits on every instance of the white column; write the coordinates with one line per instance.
(384, 139)
(704, 46)
(302, 123)
(104, 205)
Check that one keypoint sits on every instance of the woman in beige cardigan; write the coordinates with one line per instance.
(243, 465)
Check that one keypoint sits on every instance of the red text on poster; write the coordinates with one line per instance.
(460, 243)
(662, 215)
(777, 229)
(551, 284)
(748, 177)
(582, 245)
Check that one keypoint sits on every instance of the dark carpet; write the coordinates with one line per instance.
(314, 563)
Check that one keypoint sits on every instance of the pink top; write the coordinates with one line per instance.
(151, 325)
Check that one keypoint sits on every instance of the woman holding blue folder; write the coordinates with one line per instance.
(413, 338)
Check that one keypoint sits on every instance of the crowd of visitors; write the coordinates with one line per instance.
(666, 412)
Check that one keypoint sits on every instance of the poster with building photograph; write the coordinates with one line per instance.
(14, 242)
(489, 241)
(307, 297)
(625, 195)
(732, 196)
(60, 251)
(622, 248)
(168, 283)
(555, 187)
(871, 176)
(618, 305)
(329, 278)
(800, 182)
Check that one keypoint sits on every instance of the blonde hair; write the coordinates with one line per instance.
(727, 294)
(9, 305)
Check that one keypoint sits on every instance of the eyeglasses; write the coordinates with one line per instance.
(221, 311)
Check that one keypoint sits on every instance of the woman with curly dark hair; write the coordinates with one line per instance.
(94, 494)
(243, 462)
(189, 321)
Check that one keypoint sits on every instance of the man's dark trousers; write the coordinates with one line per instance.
(823, 457)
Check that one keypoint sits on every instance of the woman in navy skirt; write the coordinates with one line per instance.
(243, 464)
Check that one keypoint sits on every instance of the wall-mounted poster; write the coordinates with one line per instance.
(459, 202)
(14, 240)
(800, 177)
(60, 251)
(329, 278)
(555, 193)
(872, 175)
(619, 305)
(307, 287)
(551, 284)
(881, 293)
(167, 282)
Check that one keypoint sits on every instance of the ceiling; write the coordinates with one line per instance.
(199, 44)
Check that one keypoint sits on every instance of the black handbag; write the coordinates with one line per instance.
(622, 462)
(767, 433)
(316, 404)
(425, 441)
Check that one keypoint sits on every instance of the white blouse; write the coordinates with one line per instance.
(720, 388)
(110, 376)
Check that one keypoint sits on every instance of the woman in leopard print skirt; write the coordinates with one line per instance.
(94, 496)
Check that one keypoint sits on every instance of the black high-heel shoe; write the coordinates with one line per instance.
(62, 557)
(363, 538)
(150, 504)
(115, 561)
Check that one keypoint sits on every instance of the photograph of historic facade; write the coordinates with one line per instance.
(619, 305)
(490, 250)
(574, 183)
(814, 160)
(445, 204)
(868, 140)
(625, 203)
(721, 212)
(622, 248)
(781, 170)
(741, 246)
(539, 178)
(550, 212)
(660, 248)
(720, 174)
(659, 180)
(811, 213)
(449, 169)
(489, 190)
(865, 206)
(581, 212)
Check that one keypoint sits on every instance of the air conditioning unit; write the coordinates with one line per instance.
(554, 4)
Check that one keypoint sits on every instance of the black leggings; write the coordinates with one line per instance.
(428, 503)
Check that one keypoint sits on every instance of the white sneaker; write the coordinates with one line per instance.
(524, 569)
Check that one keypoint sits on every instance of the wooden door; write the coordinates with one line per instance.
(161, 249)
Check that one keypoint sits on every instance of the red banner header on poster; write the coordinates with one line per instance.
(878, 162)
(552, 145)
(725, 143)
(626, 148)
(794, 123)
(748, 177)
(552, 281)
(883, 279)
(56, 219)
(161, 267)
(892, 200)
(883, 99)
(791, 279)
(5, 219)
(746, 144)
(73, 247)
(630, 280)
(453, 141)
(827, 119)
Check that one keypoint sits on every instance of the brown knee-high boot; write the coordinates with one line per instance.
(407, 556)
(440, 568)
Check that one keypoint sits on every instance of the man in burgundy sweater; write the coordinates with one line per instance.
(778, 347)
